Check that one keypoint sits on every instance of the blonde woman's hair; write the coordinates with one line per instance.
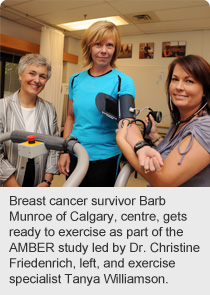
(98, 32)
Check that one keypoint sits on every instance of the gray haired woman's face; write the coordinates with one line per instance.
(33, 79)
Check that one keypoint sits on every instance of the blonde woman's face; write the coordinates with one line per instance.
(102, 52)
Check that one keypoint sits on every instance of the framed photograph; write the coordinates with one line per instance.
(173, 49)
(125, 51)
(146, 50)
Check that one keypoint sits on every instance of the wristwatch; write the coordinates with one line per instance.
(47, 181)
(140, 145)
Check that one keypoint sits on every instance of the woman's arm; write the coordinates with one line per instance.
(133, 135)
(64, 161)
(154, 136)
(49, 178)
(11, 182)
(172, 174)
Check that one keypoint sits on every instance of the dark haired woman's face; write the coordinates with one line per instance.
(186, 92)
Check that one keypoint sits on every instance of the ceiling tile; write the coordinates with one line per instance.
(170, 15)
(184, 13)
(13, 3)
(130, 30)
(95, 11)
(140, 6)
(36, 7)
(176, 26)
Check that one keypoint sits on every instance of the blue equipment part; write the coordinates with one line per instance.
(125, 103)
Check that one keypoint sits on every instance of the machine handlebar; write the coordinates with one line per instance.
(72, 146)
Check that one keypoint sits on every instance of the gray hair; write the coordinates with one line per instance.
(36, 59)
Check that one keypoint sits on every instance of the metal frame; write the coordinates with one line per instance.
(58, 144)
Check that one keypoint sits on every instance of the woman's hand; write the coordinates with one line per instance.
(43, 184)
(122, 132)
(149, 159)
(64, 164)
(153, 131)
(48, 178)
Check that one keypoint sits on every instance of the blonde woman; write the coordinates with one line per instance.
(96, 132)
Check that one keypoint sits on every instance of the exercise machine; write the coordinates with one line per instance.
(70, 145)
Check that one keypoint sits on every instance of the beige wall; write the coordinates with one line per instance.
(12, 29)
(72, 46)
(149, 75)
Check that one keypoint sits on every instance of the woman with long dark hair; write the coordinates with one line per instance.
(186, 147)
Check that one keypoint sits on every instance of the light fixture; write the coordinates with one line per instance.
(84, 24)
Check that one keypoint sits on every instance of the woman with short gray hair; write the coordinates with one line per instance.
(25, 110)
